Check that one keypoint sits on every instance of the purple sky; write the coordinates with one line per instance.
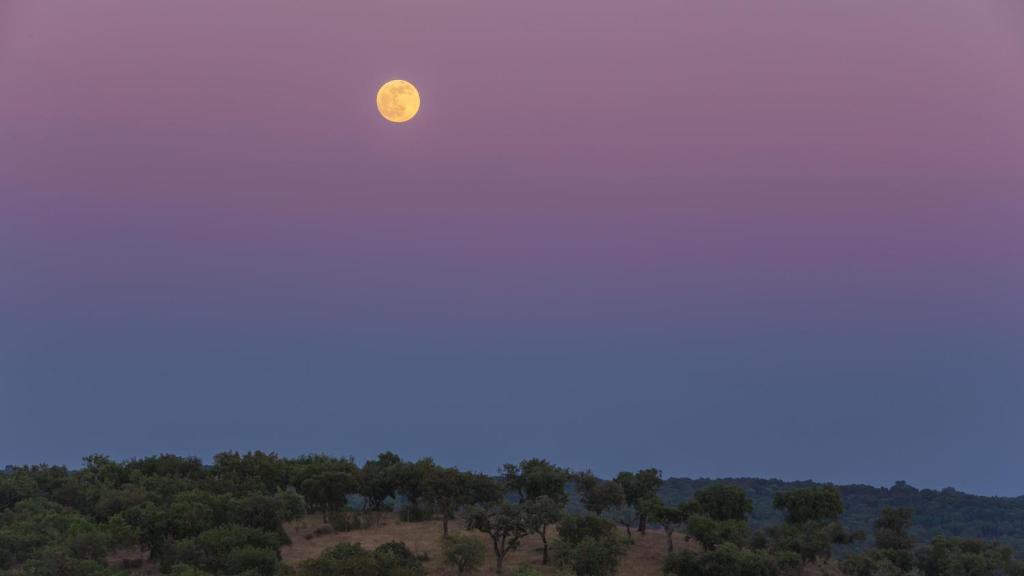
(718, 237)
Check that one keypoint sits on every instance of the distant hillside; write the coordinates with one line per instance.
(936, 512)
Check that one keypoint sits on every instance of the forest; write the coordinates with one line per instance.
(241, 515)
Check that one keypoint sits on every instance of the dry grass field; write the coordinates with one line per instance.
(644, 557)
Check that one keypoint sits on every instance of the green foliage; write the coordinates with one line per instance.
(378, 480)
(391, 559)
(892, 529)
(482, 490)
(935, 512)
(727, 560)
(878, 563)
(251, 472)
(589, 557)
(536, 478)
(250, 559)
(186, 570)
(59, 560)
(413, 481)
(540, 513)
(960, 557)
(463, 553)
(811, 540)
(39, 529)
(723, 502)
(893, 555)
(598, 495)
(228, 518)
(639, 489)
(448, 489)
(812, 522)
(671, 518)
(506, 524)
(396, 558)
(575, 529)
(712, 533)
(813, 504)
(588, 546)
(217, 550)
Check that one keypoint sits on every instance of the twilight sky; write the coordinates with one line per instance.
(717, 237)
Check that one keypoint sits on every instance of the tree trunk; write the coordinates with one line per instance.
(544, 540)
(642, 528)
(668, 533)
(499, 555)
(444, 522)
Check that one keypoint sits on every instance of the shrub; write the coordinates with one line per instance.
(727, 559)
(391, 559)
(396, 558)
(212, 549)
(589, 556)
(464, 553)
(262, 561)
(575, 529)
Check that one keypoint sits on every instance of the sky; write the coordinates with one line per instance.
(721, 238)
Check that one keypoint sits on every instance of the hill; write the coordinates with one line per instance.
(948, 512)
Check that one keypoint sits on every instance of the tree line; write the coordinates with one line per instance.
(228, 518)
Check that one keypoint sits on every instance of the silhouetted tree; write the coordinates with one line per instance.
(638, 489)
(504, 523)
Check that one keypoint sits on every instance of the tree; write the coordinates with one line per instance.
(814, 504)
(534, 478)
(378, 481)
(811, 540)
(588, 546)
(671, 518)
(464, 553)
(723, 502)
(395, 559)
(504, 523)
(717, 515)
(871, 563)
(324, 482)
(727, 560)
(328, 491)
(812, 522)
(599, 495)
(541, 490)
(540, 513)
(483, 490)
(712, 533)
(892, 529)
(964, 557)
(625, 516)
(252, 472)
(412, 479)
(638, 489)
(391, 559)
(449, 490)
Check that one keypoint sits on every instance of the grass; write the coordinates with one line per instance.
(643, 559)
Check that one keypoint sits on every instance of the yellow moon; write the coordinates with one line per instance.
(398, 101)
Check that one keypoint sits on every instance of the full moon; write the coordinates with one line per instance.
(398, 101)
